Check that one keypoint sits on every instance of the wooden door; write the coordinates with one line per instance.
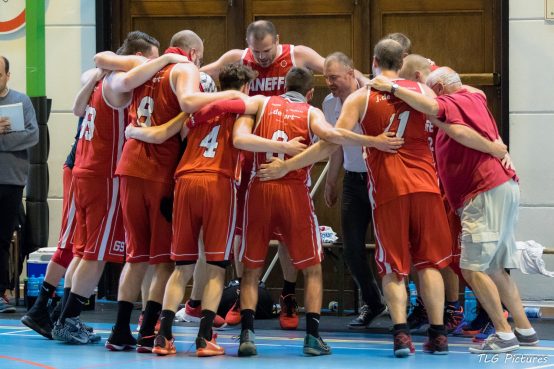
(217, 22)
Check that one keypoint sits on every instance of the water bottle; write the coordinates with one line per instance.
(40, 281)
(59, 288)
(32, 286)
(533, 312)
(470, 305)
(412, 290)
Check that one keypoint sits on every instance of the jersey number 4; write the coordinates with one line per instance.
(210, 142)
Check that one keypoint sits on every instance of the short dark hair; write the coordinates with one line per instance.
(234, 76)
(137, 41)
(389, 54)
(259, 29)
(6, 64)
(402, 39)
(300, 80)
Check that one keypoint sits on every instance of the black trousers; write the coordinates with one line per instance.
(10, 200)
(355, 218)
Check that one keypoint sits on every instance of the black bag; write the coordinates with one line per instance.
(264, 309)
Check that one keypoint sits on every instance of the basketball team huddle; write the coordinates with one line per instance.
(179, 180)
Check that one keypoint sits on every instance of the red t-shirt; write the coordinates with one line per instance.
(465, 172)
(283, 120)
(412, 168)
(154, 103)
(210, 148)
(101, 137)
(270, 80)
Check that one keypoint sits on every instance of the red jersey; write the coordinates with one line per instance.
(412, 168)
(210, 148)
(270, 80)
(465, 172)
(283, 119)
(101, 137)
(154, 103)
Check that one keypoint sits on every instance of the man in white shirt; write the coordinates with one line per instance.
(356, 208)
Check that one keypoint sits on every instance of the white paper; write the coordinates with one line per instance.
(14, 112)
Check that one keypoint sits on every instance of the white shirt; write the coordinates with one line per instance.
(353, 156)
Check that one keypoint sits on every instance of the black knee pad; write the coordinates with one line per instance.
(185, 262)
(222, 264)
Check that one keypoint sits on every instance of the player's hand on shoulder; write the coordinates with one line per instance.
(173, 58)
(388, 142)
(295, 146)
(380, 83)
(129, 131)
(275, 169)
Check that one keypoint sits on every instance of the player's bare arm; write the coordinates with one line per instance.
(156, 134)
(278, 168)
(213, 69)
(111, 61)
(352, 112)
(126, 81)
(88, 80)
(186, 82)
(243, 139)
(416, 100)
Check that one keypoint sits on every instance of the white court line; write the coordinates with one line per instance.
(15, 333)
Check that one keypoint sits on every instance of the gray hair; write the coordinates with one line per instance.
(340, 58)
(444, 76)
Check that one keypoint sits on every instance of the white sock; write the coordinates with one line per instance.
(506, 336)
(526, 332)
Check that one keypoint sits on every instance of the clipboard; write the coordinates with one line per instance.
(14, 112)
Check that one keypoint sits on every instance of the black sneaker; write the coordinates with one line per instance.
(56, 312)
(366, 317)
(39, 321)
(247, 347)
(145, 344)
(417, 320)
(121, 341)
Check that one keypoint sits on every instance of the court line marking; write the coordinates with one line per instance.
(26, 362)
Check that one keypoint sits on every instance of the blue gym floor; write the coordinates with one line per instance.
(22, 348)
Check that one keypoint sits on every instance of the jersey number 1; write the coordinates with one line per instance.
(210, 142)
(403, 117)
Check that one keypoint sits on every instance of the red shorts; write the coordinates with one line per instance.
(64, 252)
(411, 229)
(148, 233)
(246, 172)
(455, 226)
(285, 206)
(99, 219)
(203, 202)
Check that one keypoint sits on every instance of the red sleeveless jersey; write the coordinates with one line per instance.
(101, 137)
(210, 148)
(412, 168)
(270, 80)
(282, 120)
(154, 103)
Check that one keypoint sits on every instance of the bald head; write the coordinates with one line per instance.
(186, 40)
(388, 55)
(415, 68)
(446, 79)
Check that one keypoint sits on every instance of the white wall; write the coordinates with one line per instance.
(70, 46)
(532, 131)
